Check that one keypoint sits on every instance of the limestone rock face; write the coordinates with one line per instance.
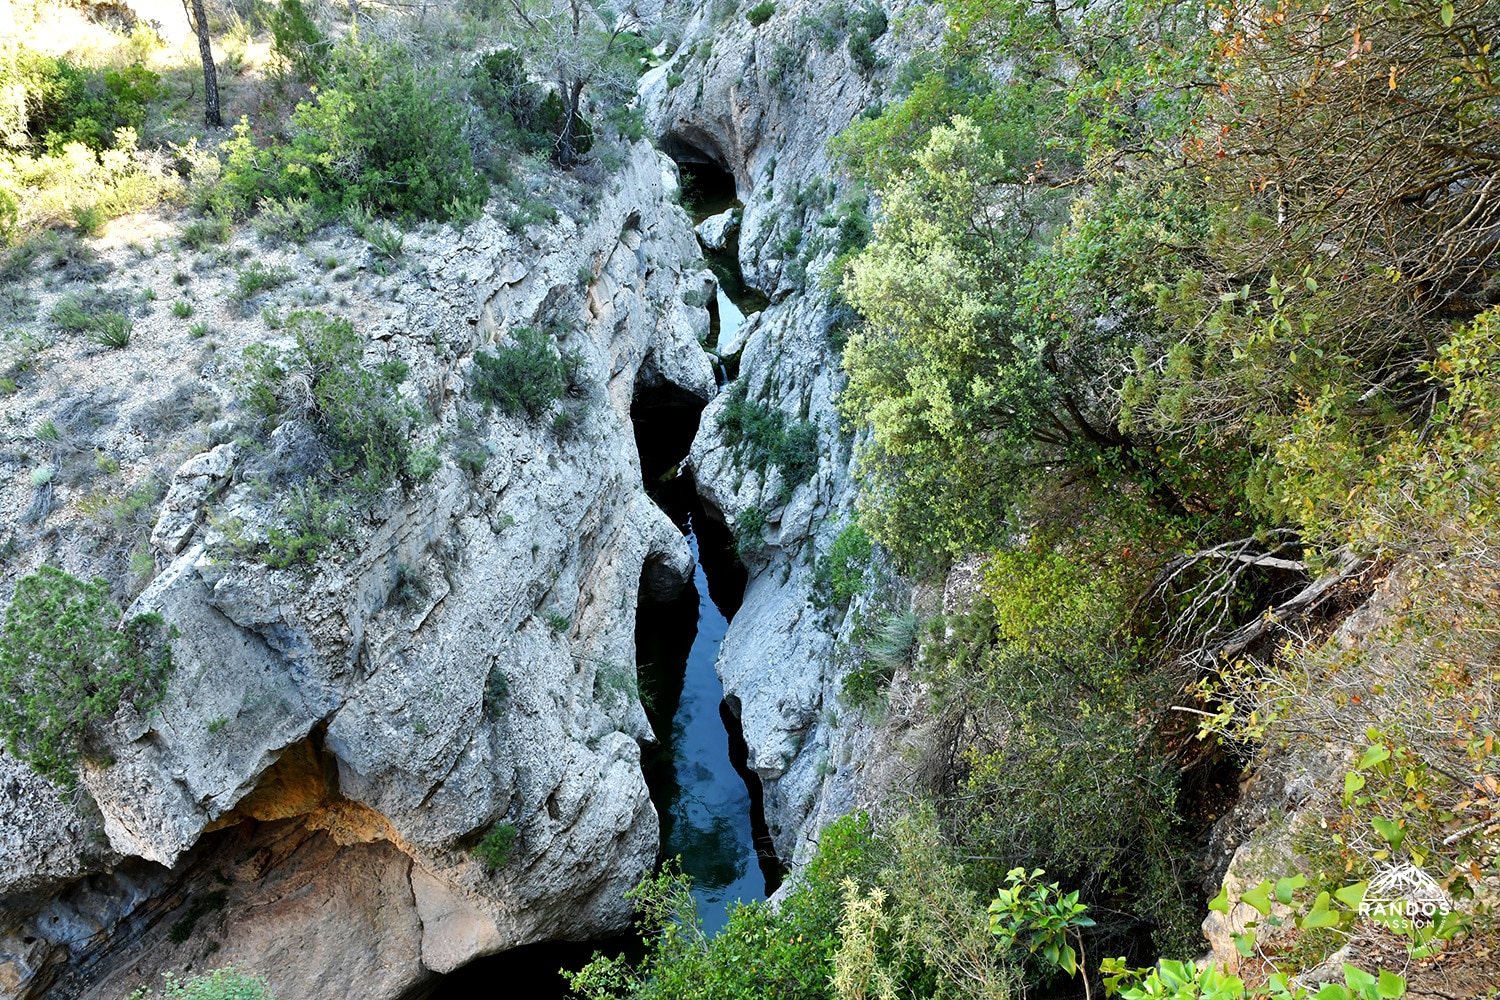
(335, 741)
(714, 231)
(762, 105)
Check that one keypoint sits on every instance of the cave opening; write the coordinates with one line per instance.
(709, 190)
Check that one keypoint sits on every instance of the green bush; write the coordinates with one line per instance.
(760, 13)
(512, 103)
(525, 375)
(866, 24)
(63, 102)
(355, 410)
(748, 532)
(297, 42)
(220, 984)
(764, 435)
(380, 133)
(67, 663)
(495, 849)
(840, 574)
(785, 952)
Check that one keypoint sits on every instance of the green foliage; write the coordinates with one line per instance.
(787, 952)
(866, 23)
(495, 849)
(67, 663)
(297, 42)
(763, 436)
(311, 522)
(887, 646)
(1026, 913)
(259, 277)
(525, 375)
(1174, 980)
(760, 13)
(63, 102)
(380, 133)
(355, 410)
(220, 984)
(512, 103)
(111, 329)
(749, 532)
(840, 574)
(919, 930)
(91, 316)
(182, 308)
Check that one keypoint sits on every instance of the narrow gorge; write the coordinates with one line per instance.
(557, 471)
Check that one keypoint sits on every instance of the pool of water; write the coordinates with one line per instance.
(709, 812)
(709, 191)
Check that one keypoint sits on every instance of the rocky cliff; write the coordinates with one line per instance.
(335, 742)
(762, 103)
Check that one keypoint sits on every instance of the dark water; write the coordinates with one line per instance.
(707, 809)
(709, 805)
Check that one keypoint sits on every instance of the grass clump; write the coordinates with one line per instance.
(495, 849)
(67, 663)
(526, 375)
(112, 330)
(91, 316)
(259, 277)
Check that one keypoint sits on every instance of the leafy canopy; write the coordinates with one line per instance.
(67, 663)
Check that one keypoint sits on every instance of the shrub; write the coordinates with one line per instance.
(749, 530)
(512, 104)
(785, 952)
(220, 984)
(287, 219)
(525, 375)
(297, 42)
(205, 232)
(495, 849)
(182, 308)
(64, 102)
(67, 663)
(380, 133)
(355, 410)
(760, 13)
(764, 435)
(865, 25)
(840, 574)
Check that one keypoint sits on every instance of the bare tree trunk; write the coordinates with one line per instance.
(198, 18)
(567, 142)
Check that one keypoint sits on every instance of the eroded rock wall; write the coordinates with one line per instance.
(763, 103)
(335, 742)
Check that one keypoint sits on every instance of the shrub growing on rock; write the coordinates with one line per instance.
(525, 375)
(66, 665)
(760, 13)
(495, 849)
